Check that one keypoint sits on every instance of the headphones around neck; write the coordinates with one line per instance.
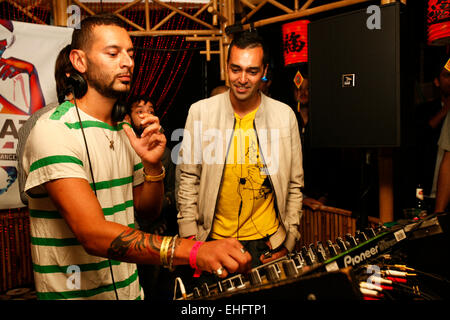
(77, 85)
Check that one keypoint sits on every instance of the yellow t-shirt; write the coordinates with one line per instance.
(245, 209)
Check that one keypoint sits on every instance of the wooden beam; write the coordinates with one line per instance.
(386, 185)
(281, 6)
(217, 14)
(60, 12)
(127, 6)
(303, 13)
(168, 6)
(131, 23)
(166, 18)
(205, 7)
(84, 7)
(306, 5)
(147, 15)
(248, 4)
(251, 13)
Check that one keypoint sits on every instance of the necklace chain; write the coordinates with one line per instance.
(111, 141)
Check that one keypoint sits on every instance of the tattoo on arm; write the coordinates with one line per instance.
(135, 240)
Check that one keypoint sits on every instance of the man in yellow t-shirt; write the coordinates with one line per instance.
(245, 208)
(240, 163)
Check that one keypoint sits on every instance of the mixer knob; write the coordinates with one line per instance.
(307, 256)
(361, 236)
(370, 233)
(322, 254)
(341, 244)
(289, 268)
(331, 249)
(204, 290)
(313, 252)
(196, 292)
(272, 273)
(227, 285)
(238, 282)
(255, 277)
(351, 240)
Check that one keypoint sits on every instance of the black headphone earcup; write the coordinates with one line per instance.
(77, 85)
(119, 112)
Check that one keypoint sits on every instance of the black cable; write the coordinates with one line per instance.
(93, 181)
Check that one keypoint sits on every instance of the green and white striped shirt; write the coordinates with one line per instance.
(55, 149)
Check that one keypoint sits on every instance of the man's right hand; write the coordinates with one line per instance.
(226, 253)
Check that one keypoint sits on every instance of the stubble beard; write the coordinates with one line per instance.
(101, 83)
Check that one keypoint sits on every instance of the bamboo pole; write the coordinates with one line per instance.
(386, 193)
(281, 6)
(217, 14)
(306, 5)
(205, 7)
(127, 6)
(248, 4)
(251, 13)
(303, 13)
(84, 7)
(168, 6)
(60, 12)
(166, 18)
(131, 23)
(214, 8)
(147, 15)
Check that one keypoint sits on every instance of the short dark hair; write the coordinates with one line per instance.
(63, 66)
(249, 39)
(81, 37)
(138, 98)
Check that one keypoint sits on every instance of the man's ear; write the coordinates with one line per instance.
(265, 70)
(78, 59)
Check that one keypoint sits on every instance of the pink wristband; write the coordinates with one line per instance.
(193, 254)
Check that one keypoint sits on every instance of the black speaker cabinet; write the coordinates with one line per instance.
(355, 79)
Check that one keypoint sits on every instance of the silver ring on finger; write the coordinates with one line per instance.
(219, 271)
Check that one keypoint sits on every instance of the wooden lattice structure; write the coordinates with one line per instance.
(216, 25)
(327, 223)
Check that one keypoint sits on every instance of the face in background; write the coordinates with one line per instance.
(302, 94)
(443, 82)
(138, 108)
(109, 61)
(245, 70)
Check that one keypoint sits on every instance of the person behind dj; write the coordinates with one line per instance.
(84, 245)
(157, 282)
(251, 191)
(63, 68)
(429, 119)
(442, 179)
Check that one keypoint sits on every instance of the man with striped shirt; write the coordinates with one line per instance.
(87, 173)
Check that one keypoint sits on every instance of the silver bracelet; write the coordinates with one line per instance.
(172, 252)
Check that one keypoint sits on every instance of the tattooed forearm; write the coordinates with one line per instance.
(135, 240)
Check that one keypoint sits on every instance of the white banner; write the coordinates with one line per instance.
(27, 83)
